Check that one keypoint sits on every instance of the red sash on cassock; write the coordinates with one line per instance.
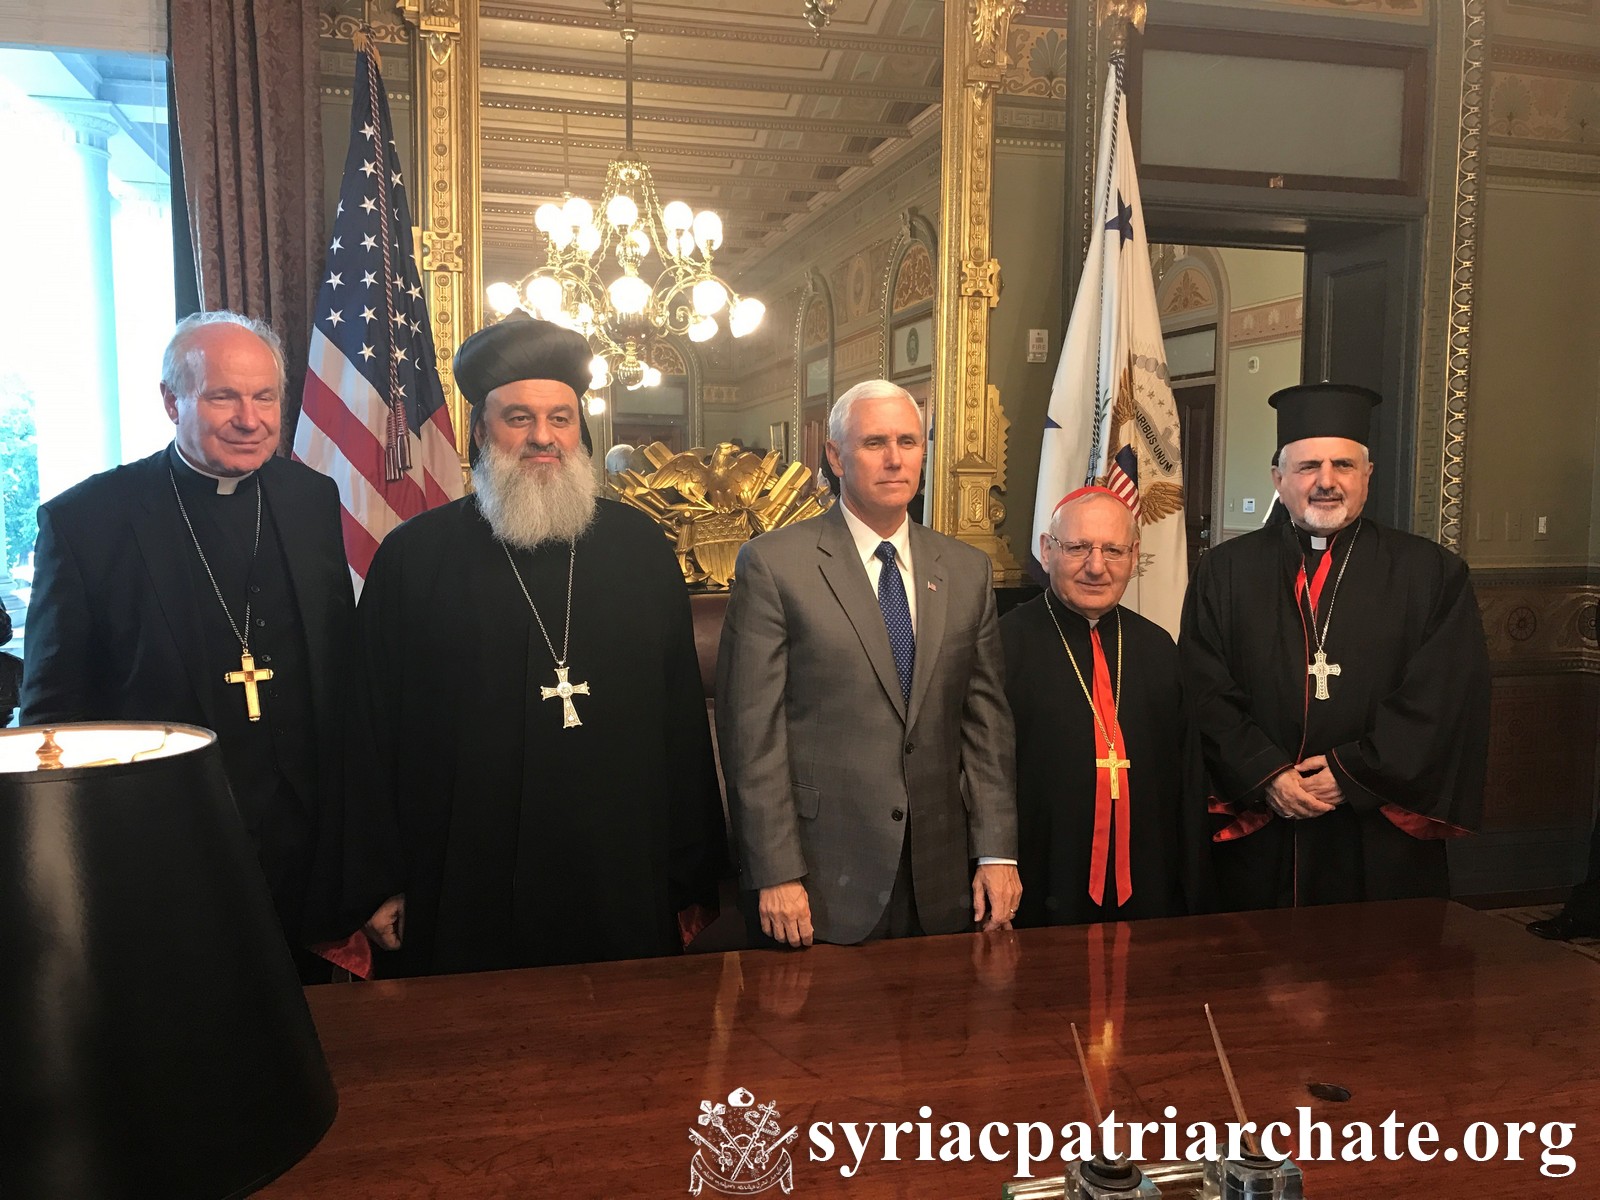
(1106, 705)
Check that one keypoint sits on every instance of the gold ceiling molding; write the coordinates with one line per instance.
(968, 474)
(715, 31)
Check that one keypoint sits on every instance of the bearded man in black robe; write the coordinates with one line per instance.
(541, 788)
(1110, 799)
(1337, 675)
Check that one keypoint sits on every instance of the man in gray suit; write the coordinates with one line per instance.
(861, 714)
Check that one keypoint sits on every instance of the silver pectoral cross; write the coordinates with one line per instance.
(566, 691)
(1321, 668)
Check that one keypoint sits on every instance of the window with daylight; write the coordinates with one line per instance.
(84, 320)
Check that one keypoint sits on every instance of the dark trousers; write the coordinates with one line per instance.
(900, 914)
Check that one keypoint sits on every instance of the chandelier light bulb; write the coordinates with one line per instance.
(702, 329)
(546, 218)
(641, 242)
(709, 297)
(561, 236)
(652, 377)
(677, 216)
(745, 316)
(543, 295)
(708, 230)
(621, 211)
(577, 212)
(596, 404)
(599, 372)
(586, 315)
(629, 295)
(589, 239)
(502, 297)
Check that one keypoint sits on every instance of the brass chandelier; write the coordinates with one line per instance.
(596, 276)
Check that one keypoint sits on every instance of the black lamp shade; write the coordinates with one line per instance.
(154, 1039)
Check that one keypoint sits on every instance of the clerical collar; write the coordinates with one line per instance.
(1092, 622)
(227, 485)
(1315, 541)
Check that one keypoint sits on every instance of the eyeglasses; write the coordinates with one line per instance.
(1079, 551)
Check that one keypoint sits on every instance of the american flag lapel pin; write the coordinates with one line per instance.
(932, 586)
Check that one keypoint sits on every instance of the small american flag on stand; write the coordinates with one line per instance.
(1122, 477)
(373, 415)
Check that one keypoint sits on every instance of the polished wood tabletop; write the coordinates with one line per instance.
(586, 1081)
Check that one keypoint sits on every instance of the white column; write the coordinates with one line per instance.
(76, 404)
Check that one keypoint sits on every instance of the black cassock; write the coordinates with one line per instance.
(1405, 728)
(1057, 744)
(518, 842)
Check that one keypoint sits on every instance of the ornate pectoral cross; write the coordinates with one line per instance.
(1321, 668)
(565, 692)
(249, 675)
(1115, 765)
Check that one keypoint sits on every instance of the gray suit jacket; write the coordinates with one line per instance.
(826, 765)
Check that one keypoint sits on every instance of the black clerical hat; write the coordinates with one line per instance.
(524, 347)
(1311, 410)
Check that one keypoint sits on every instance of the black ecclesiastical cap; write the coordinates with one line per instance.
(1313, 410)
(524, 347)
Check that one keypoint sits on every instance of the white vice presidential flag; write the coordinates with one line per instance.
(1112, 420)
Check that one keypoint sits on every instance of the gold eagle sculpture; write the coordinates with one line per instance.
(711, 502)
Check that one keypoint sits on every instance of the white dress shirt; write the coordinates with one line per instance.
(867, 542)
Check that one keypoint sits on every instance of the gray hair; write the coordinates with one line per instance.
(870, 389)
(183, 365)
(1058, 517)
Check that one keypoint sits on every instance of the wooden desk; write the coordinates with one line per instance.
(584, 1081)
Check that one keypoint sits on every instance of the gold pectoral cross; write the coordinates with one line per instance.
(565, 692)
(249, 675)
(1115, 765)
(1321, 668)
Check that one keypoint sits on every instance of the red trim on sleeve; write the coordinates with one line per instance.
(1243, 823)
(354, 954)
(1426, 829)
(693, 920)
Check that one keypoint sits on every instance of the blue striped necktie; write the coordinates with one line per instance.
(897, 618)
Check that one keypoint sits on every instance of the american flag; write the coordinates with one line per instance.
(1122, 477)
(373, 415)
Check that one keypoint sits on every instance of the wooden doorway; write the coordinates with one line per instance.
(1197, 415)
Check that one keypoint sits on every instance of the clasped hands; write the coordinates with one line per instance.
(1307, 789)
(785, 909)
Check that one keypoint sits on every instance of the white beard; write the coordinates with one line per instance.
(1323, 521)
(549, 503)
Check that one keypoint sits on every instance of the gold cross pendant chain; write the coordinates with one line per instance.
(248, 673)
(1113, 762)
(1320, 668)
(564, 689)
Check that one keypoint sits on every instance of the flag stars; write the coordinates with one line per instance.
(368, 242)
(339, 212)
(368, 132)
(369, 205)
(336, 246)
(366, 352)
(369, 169)
(335, 281)
(368, 278)
(414, 292)
(400, 320)
(396, 178)
(399, 353)
(416, 327)
(335, 316)
(368, 315)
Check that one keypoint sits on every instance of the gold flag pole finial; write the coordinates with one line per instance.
(1233, 1088)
